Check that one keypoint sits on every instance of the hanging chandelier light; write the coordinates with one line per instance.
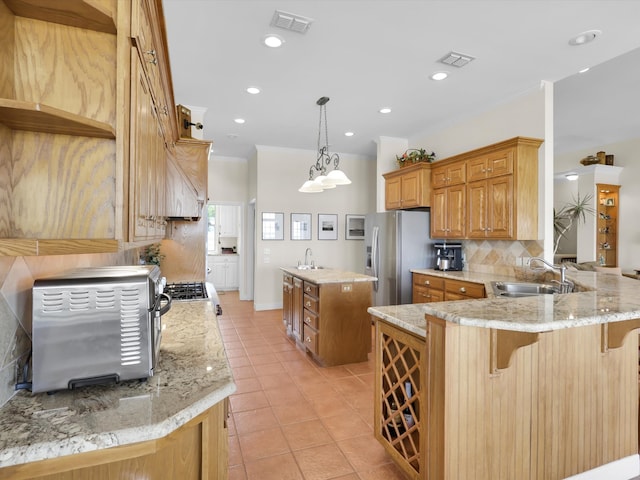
(324, 181)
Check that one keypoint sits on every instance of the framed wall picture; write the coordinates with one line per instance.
(327, 226)
(354, 227)
(300, 226)
(272, 226)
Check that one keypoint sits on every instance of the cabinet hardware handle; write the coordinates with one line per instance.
(426, 282)
(489, 169)
(308, 304)
(154, 59)
(308, 289)
(308, 339)
(463, 290)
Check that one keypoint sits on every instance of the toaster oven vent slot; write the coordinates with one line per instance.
(105, 299)
(52, 302)
(130, 328)
(79, 300)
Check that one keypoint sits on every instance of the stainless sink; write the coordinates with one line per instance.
(522, 289)
(309, 267)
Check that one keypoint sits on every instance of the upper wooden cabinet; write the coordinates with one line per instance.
(448, 174)
(408, 187)
(490, 165)
(186, 187)
(97, 159)
(501, 198)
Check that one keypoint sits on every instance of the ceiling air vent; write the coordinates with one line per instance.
(291, 21)
(456, 59)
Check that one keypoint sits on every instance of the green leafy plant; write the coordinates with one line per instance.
(415, 155)
(151, 254)
(570, 214)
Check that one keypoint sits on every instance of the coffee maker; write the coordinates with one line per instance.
(448, 256)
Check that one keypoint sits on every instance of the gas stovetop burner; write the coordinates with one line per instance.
(186, 291)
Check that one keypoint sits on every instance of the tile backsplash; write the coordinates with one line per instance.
(17, 275)
(498, 256)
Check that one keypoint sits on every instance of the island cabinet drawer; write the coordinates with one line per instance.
(458, 289)
(311, 289)
(420, 279)
(310, 339)
(311, 303)
(311, 319)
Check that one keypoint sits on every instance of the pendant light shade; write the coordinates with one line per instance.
(324, 181)
(310, 186)
(338, 177)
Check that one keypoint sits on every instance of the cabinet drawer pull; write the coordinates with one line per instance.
(307, 320)
(307, 303)
(308, 339)
(463, 290)
(308, 289)
(427, 282)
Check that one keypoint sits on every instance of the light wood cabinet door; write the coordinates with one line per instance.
(408, 187)
(449, 174)
(393, 193)
(491, 165)
(298, 308)
(490, 208)
(448, 212)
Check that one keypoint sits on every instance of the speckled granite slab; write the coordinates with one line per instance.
(193, 374)
(328, 275)
(610, 298)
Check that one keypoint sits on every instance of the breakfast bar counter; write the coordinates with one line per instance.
(542, 387)
(39, 432)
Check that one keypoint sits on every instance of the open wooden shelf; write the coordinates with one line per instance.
(36, 117)
(74, 13)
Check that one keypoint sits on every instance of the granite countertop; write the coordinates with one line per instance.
(605, 298)
(328, 275)
(192, 375)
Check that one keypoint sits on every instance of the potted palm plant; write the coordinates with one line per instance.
(570, 214)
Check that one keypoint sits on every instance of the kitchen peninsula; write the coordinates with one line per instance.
(542, 387)
(325, 311)
(171, 426)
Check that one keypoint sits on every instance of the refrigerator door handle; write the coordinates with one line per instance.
(374, 255)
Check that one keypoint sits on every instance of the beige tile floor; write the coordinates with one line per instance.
(290, 419)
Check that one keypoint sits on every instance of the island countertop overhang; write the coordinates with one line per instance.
(611, 299)
(327, 275)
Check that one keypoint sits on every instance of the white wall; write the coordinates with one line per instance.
(279, 173)
(228, 180)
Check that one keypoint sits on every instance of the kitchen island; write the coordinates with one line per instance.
(171, 426)
(541, 387)
(325, 312)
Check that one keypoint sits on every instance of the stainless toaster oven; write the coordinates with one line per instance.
(97, 325)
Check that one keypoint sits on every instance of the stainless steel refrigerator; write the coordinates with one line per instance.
(396, 242)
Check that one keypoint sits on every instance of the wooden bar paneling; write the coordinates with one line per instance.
(561, 408)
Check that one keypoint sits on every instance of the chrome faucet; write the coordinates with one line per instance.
(566, 286)
(307, 254)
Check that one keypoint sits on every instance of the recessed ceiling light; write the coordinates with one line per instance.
(273, 41)
(232, 136)
(571, 176)
(584, 37)
(439, 76)
(253, 90)
(385, 110)
(348, 134)
(584, 70)
(238, 120)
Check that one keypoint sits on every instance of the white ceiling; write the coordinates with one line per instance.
(365, 55)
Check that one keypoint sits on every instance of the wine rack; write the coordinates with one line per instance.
(607, 224)
(399, 403)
